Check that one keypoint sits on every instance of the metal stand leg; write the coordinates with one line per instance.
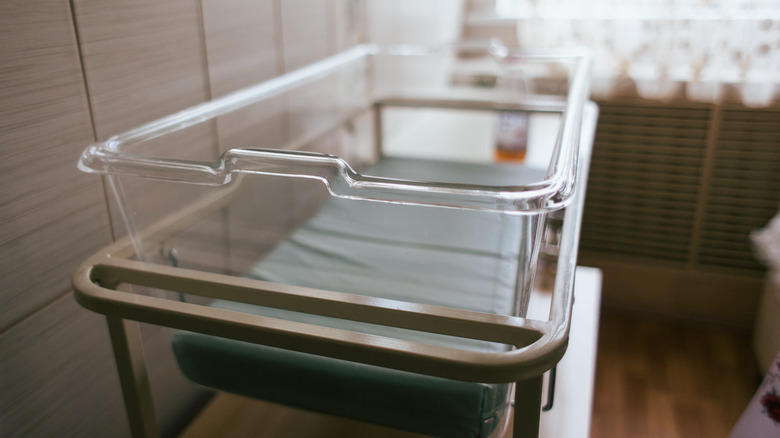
(131, 365)
(528, 405)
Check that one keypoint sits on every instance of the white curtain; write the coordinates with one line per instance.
(702, 50)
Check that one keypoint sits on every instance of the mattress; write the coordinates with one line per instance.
(442, 256)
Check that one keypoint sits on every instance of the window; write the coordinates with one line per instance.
(701, 50)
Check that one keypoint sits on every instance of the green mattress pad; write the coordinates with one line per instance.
(448, 257)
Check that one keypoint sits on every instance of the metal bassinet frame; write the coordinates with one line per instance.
(100, 283)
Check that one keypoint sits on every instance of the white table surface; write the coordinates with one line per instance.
(573, 402)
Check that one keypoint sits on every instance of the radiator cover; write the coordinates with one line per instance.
(682, 185)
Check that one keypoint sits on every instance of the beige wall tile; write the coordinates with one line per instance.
(142, 59)
(240, 43)
(265, 40)
(347, 22)
(67, 384)
(306, 35)
(51, 215)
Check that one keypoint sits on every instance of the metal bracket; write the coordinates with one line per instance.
(550, 390)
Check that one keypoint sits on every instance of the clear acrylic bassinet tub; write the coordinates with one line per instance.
(351, 225)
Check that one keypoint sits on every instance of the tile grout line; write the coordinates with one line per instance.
(45, 305)
(205, 53)
(215, 125)
(74, 22)
(48, 303)
(76, 34)
(281, 67)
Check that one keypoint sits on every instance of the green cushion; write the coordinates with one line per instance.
(448, 257)
(409, 401)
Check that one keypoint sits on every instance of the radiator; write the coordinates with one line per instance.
(682, 185)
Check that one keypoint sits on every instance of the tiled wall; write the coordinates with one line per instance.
(71, 73)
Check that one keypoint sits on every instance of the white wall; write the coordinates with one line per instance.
(413, 21)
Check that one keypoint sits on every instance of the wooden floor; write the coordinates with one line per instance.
(669, 379)
(238, 417)
(654, 379)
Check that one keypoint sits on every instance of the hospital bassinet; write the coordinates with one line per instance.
(341, 238)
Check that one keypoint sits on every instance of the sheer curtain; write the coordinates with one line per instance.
(702, 50)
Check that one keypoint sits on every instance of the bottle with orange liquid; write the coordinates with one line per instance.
(511, 136)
